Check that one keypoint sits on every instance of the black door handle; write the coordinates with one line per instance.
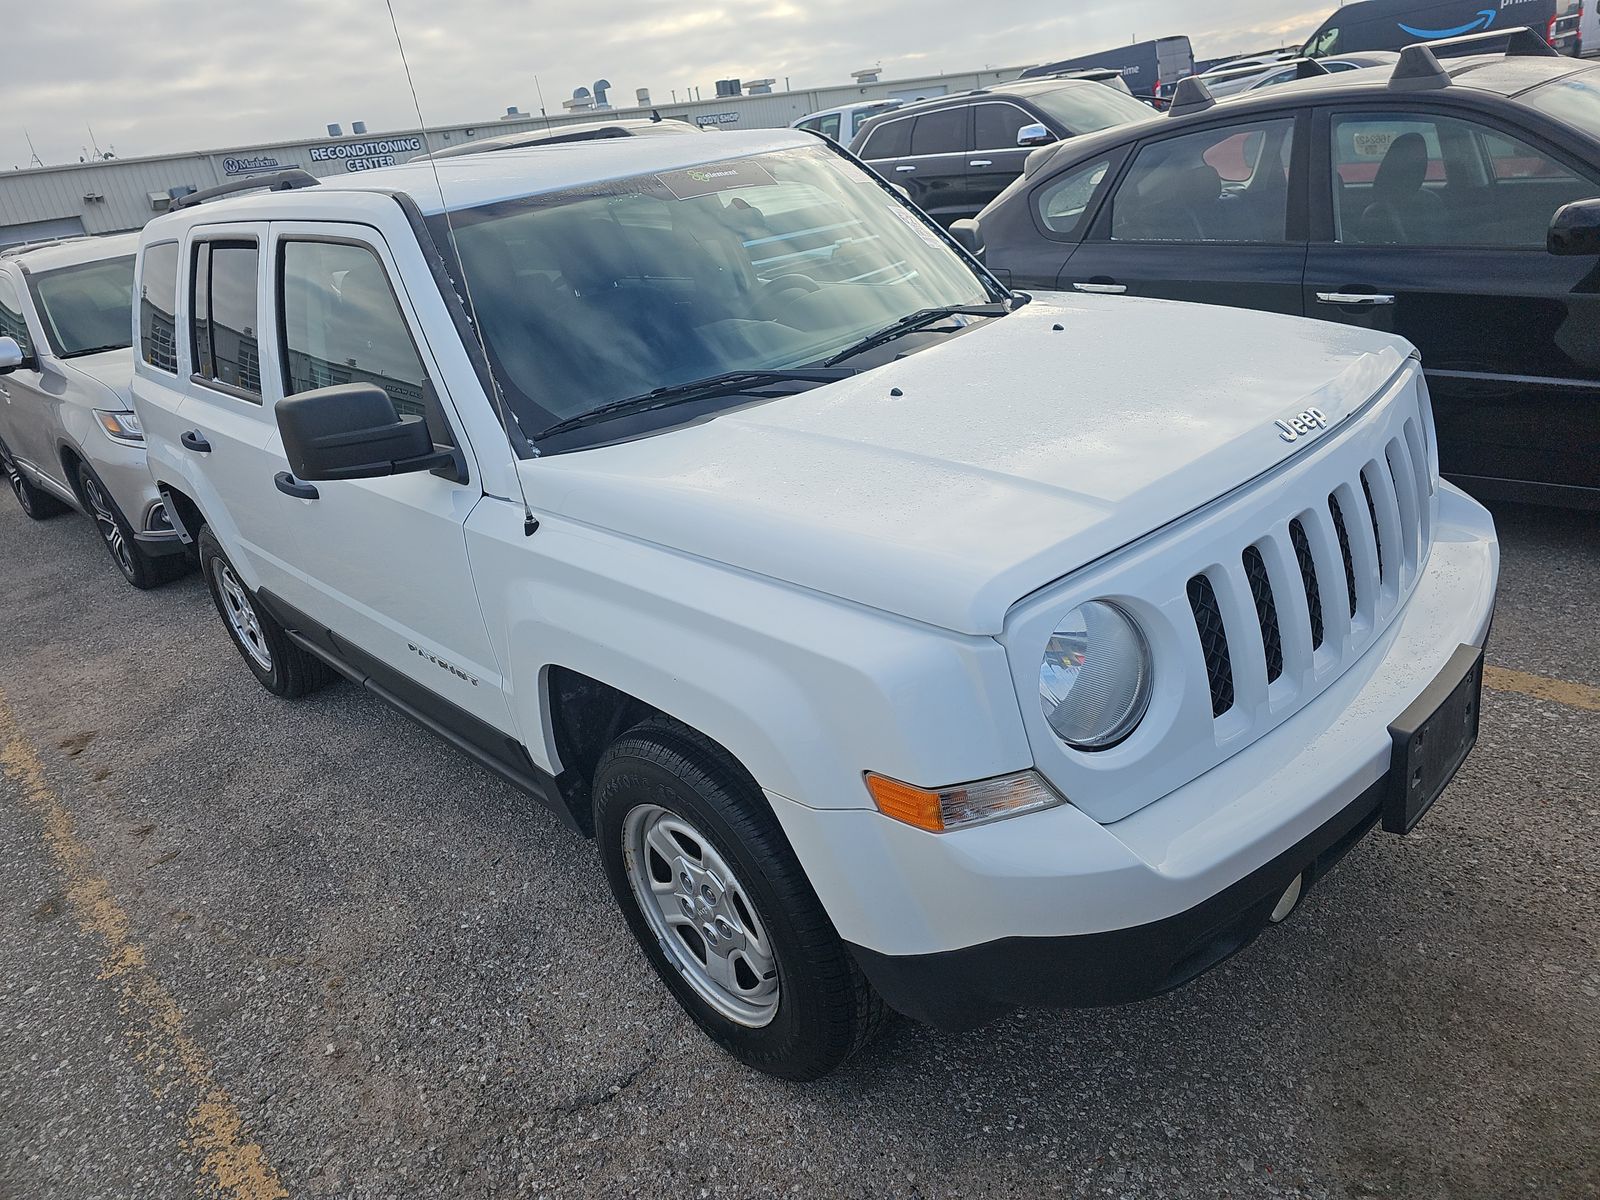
(193, 441)
(290, 486)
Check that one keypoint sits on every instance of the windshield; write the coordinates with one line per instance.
(1088, 108)
(595, 295)
(88, 307)
(1574, 101)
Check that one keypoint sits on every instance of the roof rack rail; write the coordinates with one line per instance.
(1419, 68)
(23, 247)
(1192, 96)
(277, 181)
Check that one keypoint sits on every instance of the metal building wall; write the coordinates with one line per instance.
(109, 197)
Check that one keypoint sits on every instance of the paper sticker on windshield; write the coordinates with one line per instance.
(715, 177)
(911, 223)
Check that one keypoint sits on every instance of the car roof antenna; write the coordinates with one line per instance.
(530, 523)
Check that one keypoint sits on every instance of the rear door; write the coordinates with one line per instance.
(997, 159)
(1215, 215)
(1431, 222)
(941, 147)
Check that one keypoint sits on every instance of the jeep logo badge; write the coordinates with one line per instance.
(1304, 425)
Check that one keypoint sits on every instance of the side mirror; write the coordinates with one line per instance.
(970, 235)
(353, 432)
(1035, 135)
(1575, 230)
(11, 355)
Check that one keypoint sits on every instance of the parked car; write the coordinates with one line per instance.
(1396, 24)
(843, 123)
(1293, 70)
(901, 640)
(1415, 200)
(1146, 67)
(955, 154)
(557, 135)
(68, 435)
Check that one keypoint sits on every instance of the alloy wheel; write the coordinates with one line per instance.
(105, 520)
(702, 915)
(241, 614)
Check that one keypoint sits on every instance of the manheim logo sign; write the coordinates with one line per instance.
(251, 164)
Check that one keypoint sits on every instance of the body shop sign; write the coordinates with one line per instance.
(365, 156)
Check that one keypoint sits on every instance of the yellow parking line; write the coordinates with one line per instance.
(231, 1164)
(1573, 695)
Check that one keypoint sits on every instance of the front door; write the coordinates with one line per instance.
(1213, 216)
(1433, 226)
(381, 563)
(996, 159)
(26, 409)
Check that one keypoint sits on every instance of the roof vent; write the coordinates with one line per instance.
(335, 130)
(358, 127)
(867, 74)
(759, 87)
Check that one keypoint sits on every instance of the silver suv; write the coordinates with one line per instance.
(68, 434)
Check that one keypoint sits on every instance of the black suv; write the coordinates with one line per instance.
(957, 153)
(1418, 200)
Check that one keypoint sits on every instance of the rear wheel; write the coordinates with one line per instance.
(139, 568)
(35, 502)
(722, 908)
(279, 665)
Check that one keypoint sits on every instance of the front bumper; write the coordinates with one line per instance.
(1057, 909)
(126, 474)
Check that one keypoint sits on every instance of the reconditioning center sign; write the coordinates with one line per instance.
(366, 156)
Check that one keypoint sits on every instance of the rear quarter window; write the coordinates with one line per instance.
(158, 307)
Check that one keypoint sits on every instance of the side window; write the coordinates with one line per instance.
(12, 322)
(342, 324)
(890, 140)
(1419, 180)
(1219, 185)
(943, 132)
(1064, 201)
(158, 305)
(223, 315)
(829, 126)
(998, 126)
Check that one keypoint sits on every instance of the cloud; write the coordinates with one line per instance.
(195, 74)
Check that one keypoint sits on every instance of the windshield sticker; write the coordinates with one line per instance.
(910, 221)
(714, 178)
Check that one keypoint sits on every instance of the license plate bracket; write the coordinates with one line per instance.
(1432, 739)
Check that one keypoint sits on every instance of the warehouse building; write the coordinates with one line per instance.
(122, 194)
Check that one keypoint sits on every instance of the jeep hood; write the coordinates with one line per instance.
(949, 484)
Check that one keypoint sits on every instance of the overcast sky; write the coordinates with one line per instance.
(153, 76)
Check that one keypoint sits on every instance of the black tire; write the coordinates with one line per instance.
(138, 567)
(36, 503)
(279, 665)
(826, 1010)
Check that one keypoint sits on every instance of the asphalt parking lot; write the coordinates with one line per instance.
(255, 949)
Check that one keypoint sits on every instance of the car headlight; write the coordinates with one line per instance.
(120, 426)
(1094, 683)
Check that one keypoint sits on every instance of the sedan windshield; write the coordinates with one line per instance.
(1088, 108)
(1574, 100)
(623, 288)
(87, 308)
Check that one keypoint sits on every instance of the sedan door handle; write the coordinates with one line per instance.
(981, 162)
(290, 486)
(1101, 289)
(1357, 299)
(905, 168)
(193, 441)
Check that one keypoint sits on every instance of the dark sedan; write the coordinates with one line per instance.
(1417, 199)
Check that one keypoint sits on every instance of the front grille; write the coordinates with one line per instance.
(1268, 616)
(1214, 643)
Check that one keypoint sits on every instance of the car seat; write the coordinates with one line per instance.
(1402, 210)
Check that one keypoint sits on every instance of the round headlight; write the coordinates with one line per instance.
(1094, 684)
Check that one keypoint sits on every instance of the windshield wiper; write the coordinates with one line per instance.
(915, 321)
(95, 350)
(730, 384)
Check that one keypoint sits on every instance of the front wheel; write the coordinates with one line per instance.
(139, 568)
(280, 666)
(722, 908)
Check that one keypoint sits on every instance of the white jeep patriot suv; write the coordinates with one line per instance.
(68, 434)
(901, 640)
